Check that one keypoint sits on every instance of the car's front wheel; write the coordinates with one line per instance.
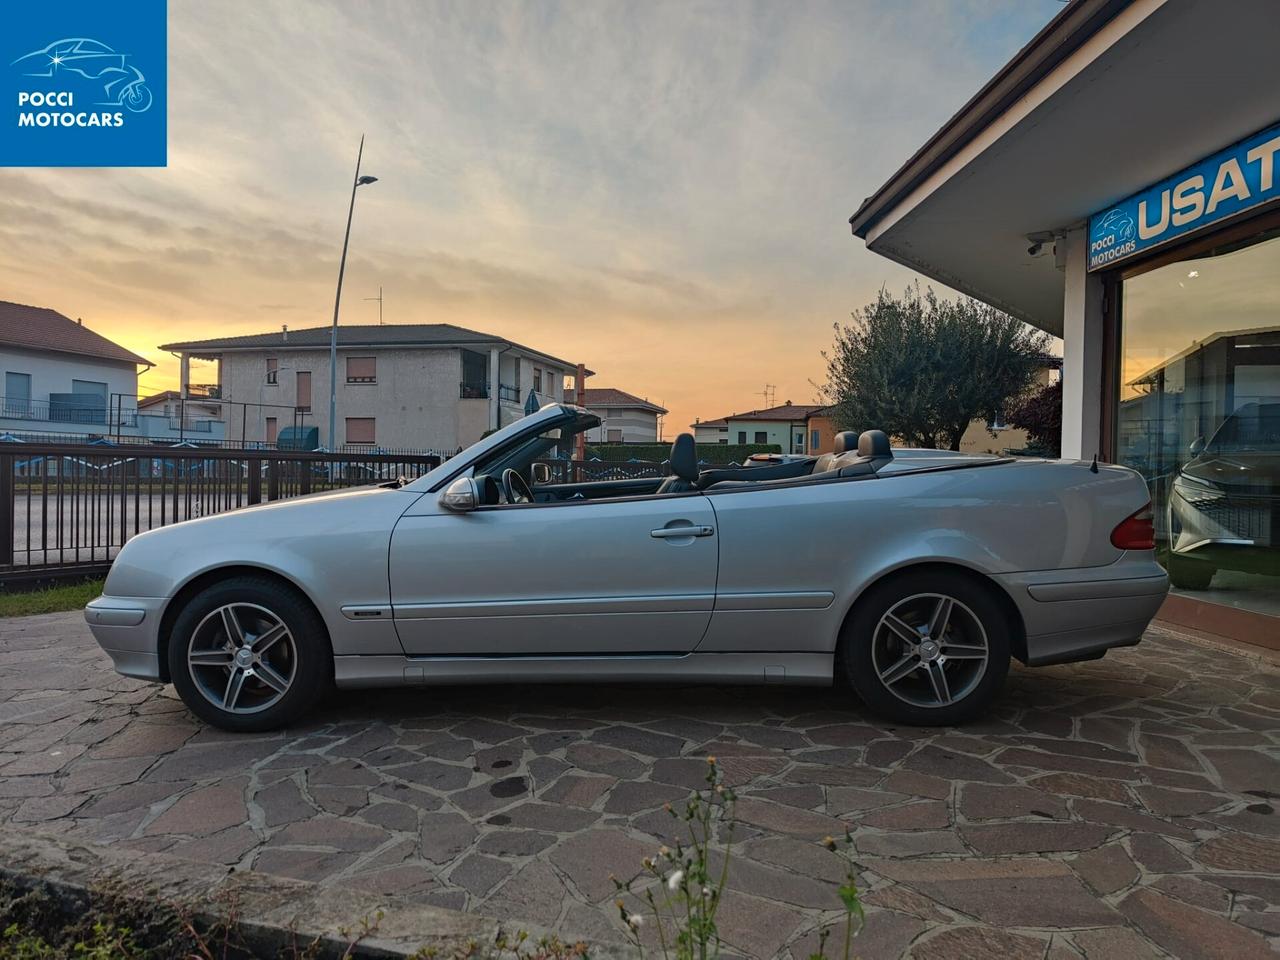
(926, 648)
(249, 654)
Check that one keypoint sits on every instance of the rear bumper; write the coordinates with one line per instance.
(1080, 614)
(128, 629)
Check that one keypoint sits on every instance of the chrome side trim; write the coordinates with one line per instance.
(1098, 589)
(807, 600)
(367, 611)
(812, 669)
(694, 602)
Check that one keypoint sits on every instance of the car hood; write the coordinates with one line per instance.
(337, 531)
(1254, 472)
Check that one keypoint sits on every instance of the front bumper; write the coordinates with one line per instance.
(1080, 614)
(128, 629)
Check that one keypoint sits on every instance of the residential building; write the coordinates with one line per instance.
(784, 426)
(995, 435)
(1117, 184)
(624, 417)
(197, 419)
(820, 427)
(60, 377)
(430, 386)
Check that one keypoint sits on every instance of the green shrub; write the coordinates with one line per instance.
(658, 452)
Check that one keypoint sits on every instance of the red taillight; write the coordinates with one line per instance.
(1136, 532)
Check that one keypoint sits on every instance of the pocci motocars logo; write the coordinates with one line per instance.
(1112, 237)
(106, 74)
(94, 97)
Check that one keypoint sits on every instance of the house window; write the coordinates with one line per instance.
(742, 436)
(362, 370)
(762, 436)
(273, 370)
(273, 429)
(303, 401)
(615, 436)
(17, 394)
(814, 440)
(537, 380)
(360, 429)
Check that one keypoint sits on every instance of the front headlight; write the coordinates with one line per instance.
(1198, 493)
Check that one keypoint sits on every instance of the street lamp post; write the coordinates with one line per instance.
(333, 334)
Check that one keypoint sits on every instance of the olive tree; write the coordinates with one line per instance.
(922, 368)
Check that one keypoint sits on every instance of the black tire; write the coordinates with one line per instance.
(1188, 574)
(301, 655)
(866, 648)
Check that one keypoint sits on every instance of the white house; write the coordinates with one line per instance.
(624, 417)
(783, 425)
(429, 386)
(60, 377)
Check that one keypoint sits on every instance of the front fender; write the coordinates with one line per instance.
(333, 549)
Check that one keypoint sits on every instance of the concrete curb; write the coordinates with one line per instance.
(269, 910)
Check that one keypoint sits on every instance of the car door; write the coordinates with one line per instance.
(622, 576)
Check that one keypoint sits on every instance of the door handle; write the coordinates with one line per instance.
(672, 533)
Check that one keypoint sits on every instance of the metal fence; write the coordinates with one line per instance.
(67, 509)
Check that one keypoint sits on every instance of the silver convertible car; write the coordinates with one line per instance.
(913, 575)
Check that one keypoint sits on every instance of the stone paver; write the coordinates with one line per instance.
(1120, 808)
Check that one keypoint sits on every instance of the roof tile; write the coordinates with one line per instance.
(40, 328)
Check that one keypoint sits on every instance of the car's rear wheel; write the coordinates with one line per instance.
(927, 648)
(249, 654)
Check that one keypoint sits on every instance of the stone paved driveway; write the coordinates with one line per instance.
(1119, 809)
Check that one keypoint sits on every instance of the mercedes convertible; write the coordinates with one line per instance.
(909, 577)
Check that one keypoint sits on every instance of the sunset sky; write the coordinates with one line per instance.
(660, 190)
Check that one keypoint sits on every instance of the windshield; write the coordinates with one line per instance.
(1253, 427)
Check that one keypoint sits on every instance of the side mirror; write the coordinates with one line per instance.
(1197, 446)
(541, 473)
(460, 496)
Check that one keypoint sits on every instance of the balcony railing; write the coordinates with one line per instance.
(55, 411)
(509, 393)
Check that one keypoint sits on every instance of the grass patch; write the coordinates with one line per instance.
(71, 596)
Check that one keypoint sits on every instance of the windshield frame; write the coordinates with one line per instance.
(507, 440)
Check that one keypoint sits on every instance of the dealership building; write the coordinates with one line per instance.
(1117, 184)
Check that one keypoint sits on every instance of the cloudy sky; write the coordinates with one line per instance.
(657, 189)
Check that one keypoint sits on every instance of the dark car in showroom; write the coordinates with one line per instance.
(1224, 502)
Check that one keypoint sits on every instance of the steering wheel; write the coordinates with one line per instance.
(514, 487)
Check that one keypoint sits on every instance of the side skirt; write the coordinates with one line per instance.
(809, 669)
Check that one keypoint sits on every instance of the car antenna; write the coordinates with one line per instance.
(1093, 467)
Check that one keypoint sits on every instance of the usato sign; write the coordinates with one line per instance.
(1238, 178)
(85, 83)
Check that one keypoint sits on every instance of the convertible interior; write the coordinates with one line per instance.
(535, 470)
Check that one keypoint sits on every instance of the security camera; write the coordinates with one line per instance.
(1034, 249)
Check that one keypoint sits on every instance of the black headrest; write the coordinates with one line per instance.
(874, 443)
(684, 457)
(844, 442)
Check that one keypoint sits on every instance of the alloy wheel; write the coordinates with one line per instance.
(242, 658)
(930, 650)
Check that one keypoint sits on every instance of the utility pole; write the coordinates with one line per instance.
(379, 299)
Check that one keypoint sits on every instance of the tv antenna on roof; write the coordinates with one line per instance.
(770, 394)
(379, 299)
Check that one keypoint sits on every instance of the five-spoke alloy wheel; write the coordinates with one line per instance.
(249, 654)
(930, 647)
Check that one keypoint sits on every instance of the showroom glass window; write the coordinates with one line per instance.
(1199, 416)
